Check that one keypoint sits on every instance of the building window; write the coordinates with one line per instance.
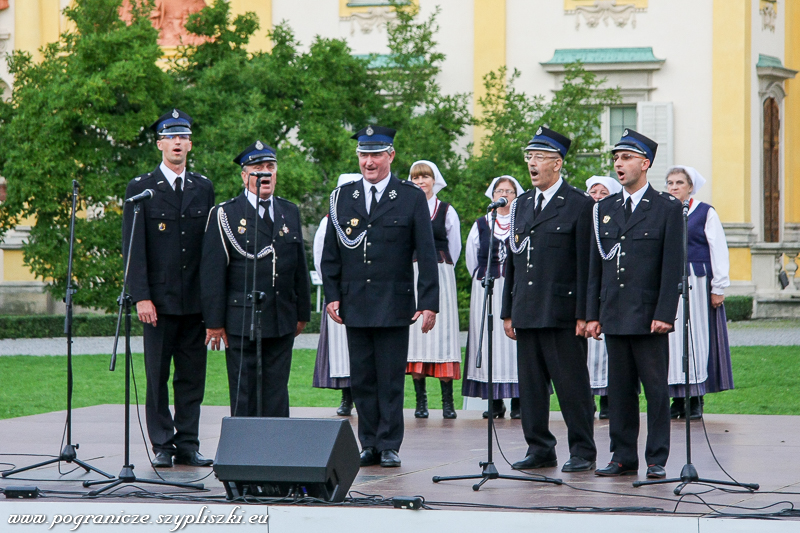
(620, 118)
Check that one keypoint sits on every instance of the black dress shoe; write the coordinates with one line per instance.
(162, 460)
(370, 456)
(617, 469)
(578, 464)
(677, 409)
(531, 462)
(389, 458)
(656, 472)
(192, 459)
(515, 410)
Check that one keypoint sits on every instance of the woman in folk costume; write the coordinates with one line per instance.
(437, 353)
(332, 367)
(598, 188)
(504, 350)
(709, 354)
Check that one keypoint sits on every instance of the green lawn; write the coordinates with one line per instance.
(767, 381)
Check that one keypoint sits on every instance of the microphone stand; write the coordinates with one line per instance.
(126, 475)
(256, 298)
(488, 469)
(689, 472)
(69, 453)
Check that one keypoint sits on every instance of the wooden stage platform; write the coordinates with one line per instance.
(753, 449)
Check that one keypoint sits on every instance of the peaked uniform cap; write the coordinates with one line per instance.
(257, 152)
(633, 141)
(548, 140)
(374, 139)
(175, 122)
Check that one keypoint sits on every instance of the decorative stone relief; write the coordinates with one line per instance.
(768, 15)
(605, 10)
(374, 17)
(5, 35)
(169, 17)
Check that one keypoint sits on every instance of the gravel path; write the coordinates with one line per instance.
(755, 333)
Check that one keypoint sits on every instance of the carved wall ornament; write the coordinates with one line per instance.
(374, 17)
(169, 17)
(769, 15)
(605, 10)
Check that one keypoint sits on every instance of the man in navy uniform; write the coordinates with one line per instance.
(256, 223)
(634, 272)
(544, 306)
(163, 281)
(376, 226)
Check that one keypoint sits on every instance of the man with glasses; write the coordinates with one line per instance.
(634, 272)
(163, 281)
(377, 227)
(256, 223)
(544, 306)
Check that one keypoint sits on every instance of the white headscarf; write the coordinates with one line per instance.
(438, 183)
(611, 184)
(517, 186)
(697, 180)
(344, 179)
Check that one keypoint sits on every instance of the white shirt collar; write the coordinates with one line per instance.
(380, 186)
(432, 204)
(171, 176)
(549, 193)
(635, 197)
(252, 199)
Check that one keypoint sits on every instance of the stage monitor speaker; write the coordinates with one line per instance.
(281, 457)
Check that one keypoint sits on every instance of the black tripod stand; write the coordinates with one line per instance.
(126, 475)
(689, 472)
(69, 454)
(488, 469)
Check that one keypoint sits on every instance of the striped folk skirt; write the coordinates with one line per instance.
(597, 361)
(504, 350)
(710, 368)
(438, 352)
(332, 367)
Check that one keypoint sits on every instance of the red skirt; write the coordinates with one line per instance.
(435, 370)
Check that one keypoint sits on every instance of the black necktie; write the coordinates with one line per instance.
(628, 208)
(374, 204)
(179, 188)
(265, 216)
(538, 208)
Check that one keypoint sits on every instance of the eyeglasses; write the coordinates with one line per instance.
(182, 137)
(538, 157)
(507, 192)
(625, 157)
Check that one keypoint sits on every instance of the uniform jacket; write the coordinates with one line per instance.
(641, 284)
(227, 275)
(546, 288)
(167, 243)
(374, 282)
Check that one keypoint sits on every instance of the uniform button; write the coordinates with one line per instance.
(530, 266)
(558, 228)
(622, 238)
(531, 232)
(369, 262)
(622, 253)
(276, 274)
(606, 233)
(369, 225)
(369, 280)
(570, 292)
(277, 293)
(530, 283)
(183, 250)
(621, 285)
(184, 267)
(183, 216)
(183, 233)
(622, 270)
(645, 234)
(369, 244)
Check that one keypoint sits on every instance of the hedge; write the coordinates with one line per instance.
(40, 326)
(739, 307)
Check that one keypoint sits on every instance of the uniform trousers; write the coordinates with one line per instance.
(632, 358)
(378, 359)
(276, 361)
(178, 339)
(557, 354)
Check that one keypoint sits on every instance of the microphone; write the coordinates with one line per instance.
(686, 207)
(502, 202)
(144, 195)
(261, 174)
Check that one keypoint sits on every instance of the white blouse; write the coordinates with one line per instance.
(718, 246)
(452, 226)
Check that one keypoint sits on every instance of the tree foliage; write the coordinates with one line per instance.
(82, 113)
